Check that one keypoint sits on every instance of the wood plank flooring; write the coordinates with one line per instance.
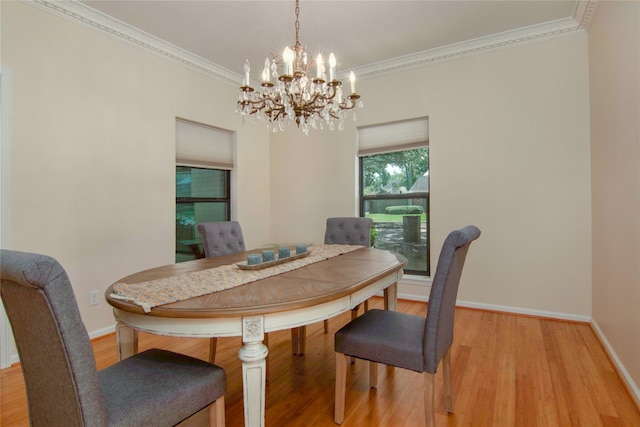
(507, 370)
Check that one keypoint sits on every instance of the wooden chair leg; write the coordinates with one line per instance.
(341, 387)
(326, 326)
(213, 344)
(294, 340)
(446, 370)
(429, 396)
(354, 314)
(302, 340)
(299, 340)
(373, 374)
(366, 306)
(216, 413)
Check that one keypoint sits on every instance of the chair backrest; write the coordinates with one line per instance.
(348, 231)
(55, 351)
(221, 238)
(438, 333)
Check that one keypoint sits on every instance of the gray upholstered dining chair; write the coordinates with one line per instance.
(221, 238)
(64, 387)
(409, 341)
(348, 231)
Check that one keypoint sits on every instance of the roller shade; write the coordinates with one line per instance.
(203, 146)
(397, 136)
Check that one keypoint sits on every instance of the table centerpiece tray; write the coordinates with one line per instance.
(243, 265)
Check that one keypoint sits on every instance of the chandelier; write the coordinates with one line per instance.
(312, 100)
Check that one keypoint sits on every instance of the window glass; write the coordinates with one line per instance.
(202, 195)
(395, 194)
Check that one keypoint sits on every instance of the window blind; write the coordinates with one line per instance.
(200, 145)
(396, 136)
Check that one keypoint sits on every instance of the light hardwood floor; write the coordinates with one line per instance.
(507, 370)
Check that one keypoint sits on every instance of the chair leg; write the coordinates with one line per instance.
(341, 387)
(299, 340)
(354, 314)
(302, 340)
(326, 326)
(294, 340)
(373, 374)
(446, 370)
(429, 396)
(366, 306)
(216, 413)
(213, 344)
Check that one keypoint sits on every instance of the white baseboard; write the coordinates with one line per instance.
(407, 282)
(524, 311)
(101, 332)
(633, 387)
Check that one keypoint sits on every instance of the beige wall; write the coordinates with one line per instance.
(614, 65)
(509, 152)
(93, 150)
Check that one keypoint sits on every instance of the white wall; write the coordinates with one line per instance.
(93, 151)
(509, 152)
(614, 60)
(313, 177)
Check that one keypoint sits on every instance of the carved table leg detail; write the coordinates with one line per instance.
(253, 355)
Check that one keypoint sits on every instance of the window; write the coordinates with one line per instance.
(203, 192)
(394, 189)
(202, 195)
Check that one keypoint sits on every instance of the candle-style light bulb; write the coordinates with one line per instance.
(352, 79)
(247, 68)
(266, 77)
(332, 66)
(319, 65)
(287, 57)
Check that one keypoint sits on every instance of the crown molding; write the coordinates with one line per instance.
(578, 23)
(584, 12)
(80, 13)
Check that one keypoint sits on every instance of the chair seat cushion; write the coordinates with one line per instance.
(159, 387)
(387, 337)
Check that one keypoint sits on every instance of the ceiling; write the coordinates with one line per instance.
(362, 34)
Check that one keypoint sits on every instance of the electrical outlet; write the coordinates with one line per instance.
(93, 297)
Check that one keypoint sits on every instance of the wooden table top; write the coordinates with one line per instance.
(304, 287)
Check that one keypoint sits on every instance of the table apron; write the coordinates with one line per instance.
(308, 315)
(182, 326)
(206, 327)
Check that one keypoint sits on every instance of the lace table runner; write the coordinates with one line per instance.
(189, 285)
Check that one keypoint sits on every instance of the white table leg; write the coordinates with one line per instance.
(253, 354)
(127, 340)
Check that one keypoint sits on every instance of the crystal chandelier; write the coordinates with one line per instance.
(312, 100)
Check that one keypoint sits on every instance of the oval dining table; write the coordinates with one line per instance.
(290, 300)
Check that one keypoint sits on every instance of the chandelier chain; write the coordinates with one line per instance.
(297, 23)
